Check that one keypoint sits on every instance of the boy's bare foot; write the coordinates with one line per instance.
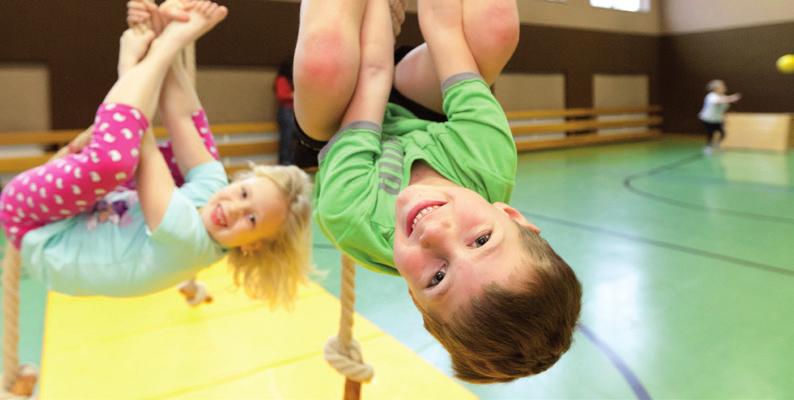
(203, 14)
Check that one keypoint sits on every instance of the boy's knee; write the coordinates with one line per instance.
(322, 60)
(499, 30)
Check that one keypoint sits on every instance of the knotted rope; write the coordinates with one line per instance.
(18, 383)
(343, 352)
(397, 15)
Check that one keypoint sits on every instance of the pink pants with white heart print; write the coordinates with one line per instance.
(67, 186)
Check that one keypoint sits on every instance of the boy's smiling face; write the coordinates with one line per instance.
(450, 242)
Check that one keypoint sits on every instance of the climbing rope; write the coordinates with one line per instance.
(18, 382)
(342, 352)
(397, 15)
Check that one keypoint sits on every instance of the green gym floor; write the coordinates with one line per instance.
(687, 263)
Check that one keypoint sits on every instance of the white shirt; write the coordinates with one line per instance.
(713, 111)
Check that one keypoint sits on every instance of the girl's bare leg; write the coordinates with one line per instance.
(140, 86)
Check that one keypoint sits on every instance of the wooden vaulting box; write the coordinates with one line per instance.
(756, 131)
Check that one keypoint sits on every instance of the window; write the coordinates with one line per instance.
(623, 5)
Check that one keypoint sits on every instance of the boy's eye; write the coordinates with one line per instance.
(245, 193)
(482, 240)
(437, 278)
(252, 219)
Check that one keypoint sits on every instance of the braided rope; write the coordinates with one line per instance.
(397, 15)
(23, 379)
(13, 387)
(343, 352)
(11, 274)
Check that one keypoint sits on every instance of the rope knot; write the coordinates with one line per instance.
(348, 361)
(397, 15)
(22, 385)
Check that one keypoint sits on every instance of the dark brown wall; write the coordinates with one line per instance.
(78, 40)
(744, 58)
(580, 54)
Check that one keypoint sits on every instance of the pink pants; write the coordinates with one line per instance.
(70, 185)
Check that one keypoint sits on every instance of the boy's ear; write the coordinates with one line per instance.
(516, 216)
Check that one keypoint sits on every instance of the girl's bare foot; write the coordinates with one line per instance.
(203, 16)
(145, 14)
(139, 14)
(173, 10)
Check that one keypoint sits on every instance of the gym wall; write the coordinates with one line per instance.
(734, 40)
(563, 47)
(78, 42)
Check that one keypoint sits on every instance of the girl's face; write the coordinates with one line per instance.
(245, 212)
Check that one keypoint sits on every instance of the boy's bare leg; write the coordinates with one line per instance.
(377, 65)
(491, 29)
(327, 60)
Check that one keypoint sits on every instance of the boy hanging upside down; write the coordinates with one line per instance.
(428, 200)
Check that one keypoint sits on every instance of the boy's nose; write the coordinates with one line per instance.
(434, 234)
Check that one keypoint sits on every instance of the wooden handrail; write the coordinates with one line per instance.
(248, 149)
(60, 136)
(580, 112)
(270, 146)
(581, 140)
(47, 137)
(584, 125)
(522, 130)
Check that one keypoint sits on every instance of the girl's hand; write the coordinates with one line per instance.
(76, 145)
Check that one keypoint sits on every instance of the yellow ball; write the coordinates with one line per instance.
(785, 64)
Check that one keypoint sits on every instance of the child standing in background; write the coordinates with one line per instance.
(712, 115)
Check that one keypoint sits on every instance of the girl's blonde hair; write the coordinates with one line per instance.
(274, 271)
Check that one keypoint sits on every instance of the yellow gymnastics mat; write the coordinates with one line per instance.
(157, 347)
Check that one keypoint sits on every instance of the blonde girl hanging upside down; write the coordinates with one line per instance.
(81, 234)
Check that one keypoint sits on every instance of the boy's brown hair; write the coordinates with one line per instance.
(508, 334)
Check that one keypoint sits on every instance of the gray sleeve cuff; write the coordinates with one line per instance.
(368, 125)
(452, 80)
